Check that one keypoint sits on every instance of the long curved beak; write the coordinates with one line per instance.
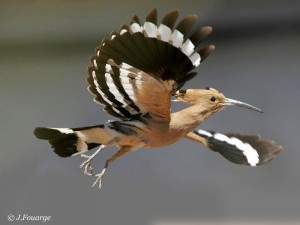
(229, 101)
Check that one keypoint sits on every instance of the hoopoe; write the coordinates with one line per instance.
(134, 74)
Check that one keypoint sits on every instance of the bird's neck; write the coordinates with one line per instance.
(188, 119)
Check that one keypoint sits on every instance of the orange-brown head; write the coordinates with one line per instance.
(209, 99)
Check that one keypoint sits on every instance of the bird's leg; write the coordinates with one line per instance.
(88, 170)
(122, 152)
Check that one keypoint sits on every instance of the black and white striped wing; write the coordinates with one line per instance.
(240, 149)
(126, 62)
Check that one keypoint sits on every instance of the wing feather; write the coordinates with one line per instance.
(135, 71)
(240, 149)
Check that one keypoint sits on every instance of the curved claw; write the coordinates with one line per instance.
(88, 170)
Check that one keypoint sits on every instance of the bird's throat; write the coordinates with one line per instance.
(188, 119)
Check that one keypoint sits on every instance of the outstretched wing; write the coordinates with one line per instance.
(136, 70)
(240, 149)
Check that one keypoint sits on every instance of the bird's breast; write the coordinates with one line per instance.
(159, 135)
(153, 135)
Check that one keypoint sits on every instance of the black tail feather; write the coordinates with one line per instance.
(65, 142)
(46, 133)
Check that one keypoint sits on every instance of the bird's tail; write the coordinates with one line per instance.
(69, 141)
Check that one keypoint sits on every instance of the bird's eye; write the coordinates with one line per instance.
(213, 99)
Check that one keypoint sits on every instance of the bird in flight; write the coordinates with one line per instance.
(134, 74)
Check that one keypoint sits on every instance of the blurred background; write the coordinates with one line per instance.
(44, 53)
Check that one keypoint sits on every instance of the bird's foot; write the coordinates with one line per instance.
(88, 170)
(99, 179)
(87, 164)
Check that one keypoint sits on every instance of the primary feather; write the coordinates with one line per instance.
(143, 61)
